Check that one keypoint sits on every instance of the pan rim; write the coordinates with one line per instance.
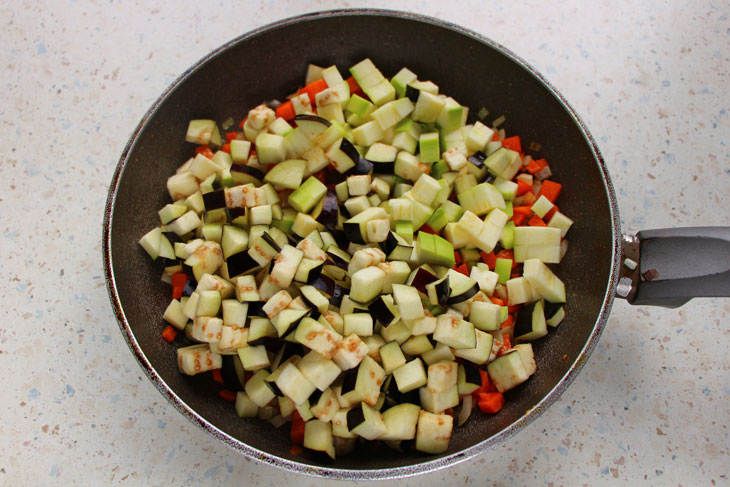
(331, 472)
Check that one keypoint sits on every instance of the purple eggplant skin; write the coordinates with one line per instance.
(355, 417)
(337, 295)
(412, 93)
(523, 323)
(332, 177)
(353, 232)
(330, 211)
(336, 259)
(380, 167)
(422, 278)
(248, 170)
(349, 379)
(267, 238)
(381, 312)
(464, 296)
(478, 159)
(442, 291)
(240, 263)
(233, 213)
(313, 118)
(324, 284)
(389, 244)
(214, 200)
(362, 167)
(228, 373)
(350, 150)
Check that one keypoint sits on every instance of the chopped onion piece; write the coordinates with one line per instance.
(544, 173)
(227, 123)
(465, 412)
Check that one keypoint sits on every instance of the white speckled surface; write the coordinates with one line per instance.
(650, 79)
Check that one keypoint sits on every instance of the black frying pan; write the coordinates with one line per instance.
(270, 62)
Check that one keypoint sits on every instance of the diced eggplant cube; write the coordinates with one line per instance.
(507, 371)
(254, 358)
(294, 384)
(277, 303)
(318, 369)
(367, 284)
(454, 332)
(400, 422)
(318, 437)
(442, 376)
(257, 390)
(481, 352)
(410, 376)
(316, 336)
(197, 358)
(433, 432)
(408, 301)
(245, 407)
(350, 352)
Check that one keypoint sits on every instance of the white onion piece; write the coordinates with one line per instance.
(466, 407)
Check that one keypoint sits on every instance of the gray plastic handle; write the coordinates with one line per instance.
(670, 266)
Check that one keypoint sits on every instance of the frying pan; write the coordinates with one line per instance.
(270, 62)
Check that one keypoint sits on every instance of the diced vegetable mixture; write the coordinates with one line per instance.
(362, 260)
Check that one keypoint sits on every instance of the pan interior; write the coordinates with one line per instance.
(265, 66)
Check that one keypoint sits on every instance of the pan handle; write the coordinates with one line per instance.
(670, 266)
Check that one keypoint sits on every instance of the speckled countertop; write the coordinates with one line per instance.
(650, 79)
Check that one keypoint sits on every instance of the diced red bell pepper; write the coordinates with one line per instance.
(491, 402)
(354, 87)
(286, 110)
(205, 151)
(463, 269)
(489, 258)
(513, 143)
(550, 190)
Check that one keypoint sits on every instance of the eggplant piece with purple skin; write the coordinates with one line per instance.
(349, 379)
(383, 167)
(255, 308)
(312, 118)
(393, 393)
(339, 257)
(240, 263)
(355, 417)
(269, 240)
(337, 295)
(330, 211)
(333, 178)
(353, 231)
(274, 388)
(477, 159)
(340, 237)
(412, 93)
(233, 213)
(243, 174)
(350, 150)
(438, 291)
(362, 167)
(390, 243)
(214, 200)
(324, 284)
(421, 278)
(382, 312)
(229, 375)
(172, 237)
